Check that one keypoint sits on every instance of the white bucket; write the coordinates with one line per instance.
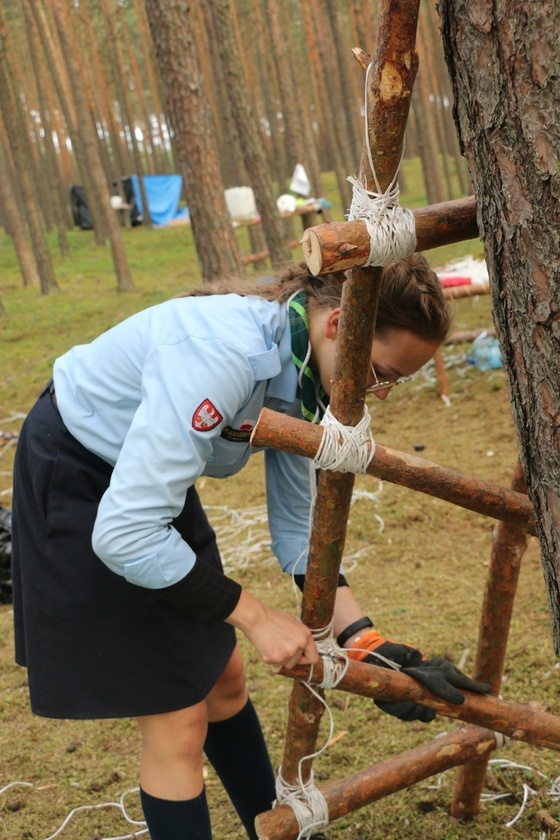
(240, 202)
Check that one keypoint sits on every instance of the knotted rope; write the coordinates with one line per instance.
(391, 228)
(306, 800)
(345, 448)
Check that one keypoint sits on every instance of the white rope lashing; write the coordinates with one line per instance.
(306, 800)
(345, 448)
(391, 228)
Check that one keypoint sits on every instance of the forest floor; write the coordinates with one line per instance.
(417, 564)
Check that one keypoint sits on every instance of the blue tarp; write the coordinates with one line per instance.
(163, 193)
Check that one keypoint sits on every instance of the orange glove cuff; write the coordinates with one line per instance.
(365, 644)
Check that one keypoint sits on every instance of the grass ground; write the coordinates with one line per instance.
(421, 577)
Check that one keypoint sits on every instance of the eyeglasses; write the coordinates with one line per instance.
(384, 386)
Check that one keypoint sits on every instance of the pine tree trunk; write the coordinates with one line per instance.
(506, 83)
(11, 109)
(88, 133)
(277, 159)
(141, 105)
(16, 227)
(239, 176)
(153, 83)
(297, 120)
(354, 124)
(125, 107)
(53, 175)
(427, 140)
(191, 121)
(425, 50)
(253, 152)
(338, 145)
(59, 76)
(435, 47)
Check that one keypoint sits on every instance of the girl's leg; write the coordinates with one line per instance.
(171, 782)
(236, 748)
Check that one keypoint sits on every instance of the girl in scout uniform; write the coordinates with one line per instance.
(121, 607)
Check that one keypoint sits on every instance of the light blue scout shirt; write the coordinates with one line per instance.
(171, 394)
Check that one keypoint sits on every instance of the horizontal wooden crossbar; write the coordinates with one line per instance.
(518, 721)
(278, 431)
(338, 246)
(379, 780)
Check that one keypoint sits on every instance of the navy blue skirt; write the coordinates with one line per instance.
(96, 646)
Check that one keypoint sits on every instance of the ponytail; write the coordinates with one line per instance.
(410, 295)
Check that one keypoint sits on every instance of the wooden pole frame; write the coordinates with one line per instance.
(339, 247)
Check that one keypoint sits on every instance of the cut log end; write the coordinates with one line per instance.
(312, 253)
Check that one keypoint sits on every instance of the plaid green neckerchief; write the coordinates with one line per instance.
(314, 398)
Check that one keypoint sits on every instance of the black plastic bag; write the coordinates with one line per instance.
(5, 556)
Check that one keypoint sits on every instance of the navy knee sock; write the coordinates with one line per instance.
(171, 820)
(237, 751)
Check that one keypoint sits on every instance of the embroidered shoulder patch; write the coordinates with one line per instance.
(206, 417)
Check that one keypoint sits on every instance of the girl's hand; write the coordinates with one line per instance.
(281, 640)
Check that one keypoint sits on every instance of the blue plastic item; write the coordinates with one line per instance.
(484, 353)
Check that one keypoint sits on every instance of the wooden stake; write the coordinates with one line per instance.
(464, 336)
(441, 375)
(510, 543)
(389, 776)
(468, 290)
(278, 431)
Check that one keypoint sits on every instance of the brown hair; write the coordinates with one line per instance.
(410, 295)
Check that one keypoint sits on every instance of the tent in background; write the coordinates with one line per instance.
(163, 193)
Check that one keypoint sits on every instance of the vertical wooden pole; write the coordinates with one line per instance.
(390, 83)
(442, 380)
(509, 544)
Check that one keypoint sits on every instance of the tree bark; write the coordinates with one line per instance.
(504, 65)
(195, 147)
(300, 144)
(53, 175)
(351, 105)
(16, 227)
(153, 83)
(343, 158)
(125, 106)
(254, 156)
(88, 133)
(11, 109)
(59, 76)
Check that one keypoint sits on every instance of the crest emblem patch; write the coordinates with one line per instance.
(206, 417)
